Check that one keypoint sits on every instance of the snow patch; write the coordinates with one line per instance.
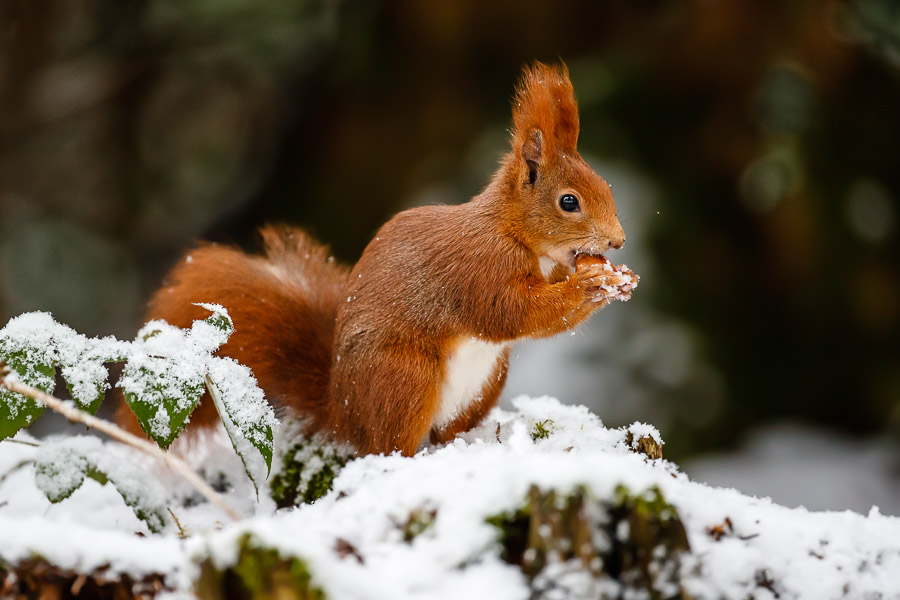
(740, 545)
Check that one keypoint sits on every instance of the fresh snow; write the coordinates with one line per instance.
(808, 555)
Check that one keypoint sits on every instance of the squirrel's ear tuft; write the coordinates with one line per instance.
(545, 101)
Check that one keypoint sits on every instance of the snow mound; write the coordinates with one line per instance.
(425, 527)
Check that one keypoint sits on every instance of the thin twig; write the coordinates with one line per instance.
(181, 532)
(72, 413)
(23, 442)
(21, 464)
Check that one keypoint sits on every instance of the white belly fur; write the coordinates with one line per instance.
(468, 368)
(546, 263)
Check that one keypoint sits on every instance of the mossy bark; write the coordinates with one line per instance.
(635, 541)
(258, 574)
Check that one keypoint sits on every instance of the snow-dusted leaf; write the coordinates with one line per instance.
(16, 412)
(59, 471)
(62, 466)
(248, 418)
(82, 363)
(27, 347)
(164, 377)
(32, 365)
(161, 397)
(87, 398)
(141, 493)
(33, 345)
(27, 344)
(220, 319)
(210, 333)
(163, 380)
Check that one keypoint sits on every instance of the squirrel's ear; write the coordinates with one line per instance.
(545, 104)
(531, 152)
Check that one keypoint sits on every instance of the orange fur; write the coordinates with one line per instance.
(366, 355)
(545, 100)
(283, 306)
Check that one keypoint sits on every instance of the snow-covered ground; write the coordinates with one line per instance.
(353, 540)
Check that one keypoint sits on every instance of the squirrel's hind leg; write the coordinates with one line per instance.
(381, 401)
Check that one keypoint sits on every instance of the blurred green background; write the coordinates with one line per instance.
(753, 146)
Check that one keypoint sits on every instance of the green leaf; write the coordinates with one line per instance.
(161, 396)
(155, 517)
(82, 363)
(89, 404)
(61, 467)
(85, 377)
(220, 318)
(248, 418)
(16, 412)
(210, 333)
(34, 366)
(59, 471)
(31, 358)
(164, 377)
(97, 476)
(34, 345)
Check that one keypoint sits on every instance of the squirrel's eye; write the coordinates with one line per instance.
(569, 203)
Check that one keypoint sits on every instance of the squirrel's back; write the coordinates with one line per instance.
(283, 305)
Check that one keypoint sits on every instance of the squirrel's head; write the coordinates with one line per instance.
(565, 208)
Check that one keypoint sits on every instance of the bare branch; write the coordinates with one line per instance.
(73, 413)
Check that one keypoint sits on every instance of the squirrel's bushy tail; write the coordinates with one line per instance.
(283, 305)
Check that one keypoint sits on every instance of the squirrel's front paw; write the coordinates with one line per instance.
(602, 280)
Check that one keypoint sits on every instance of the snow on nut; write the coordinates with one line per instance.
(618, 285)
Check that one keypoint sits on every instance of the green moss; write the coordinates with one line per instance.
(649, 504)
(542, 429)
(258, 574)
(634, 539)
(420, 520)
(307, 472)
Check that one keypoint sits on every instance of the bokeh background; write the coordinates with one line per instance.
(753, 148)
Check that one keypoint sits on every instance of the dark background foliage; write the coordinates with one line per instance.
(767, 130)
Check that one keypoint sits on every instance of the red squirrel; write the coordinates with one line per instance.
(413, 342)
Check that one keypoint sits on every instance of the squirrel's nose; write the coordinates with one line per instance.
(616, 243)
(615, 236)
